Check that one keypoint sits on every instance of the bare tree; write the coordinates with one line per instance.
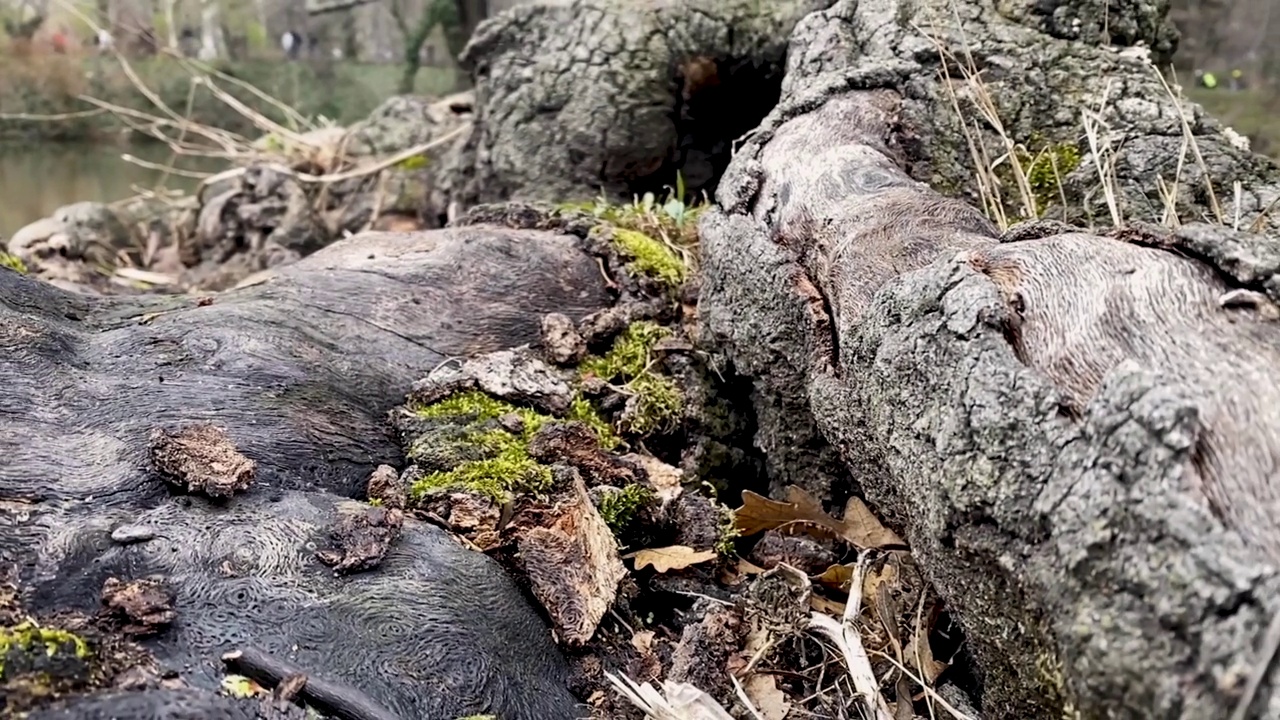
(457, 18)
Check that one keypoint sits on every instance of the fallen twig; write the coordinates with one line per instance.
(845, 635)
(329, 697)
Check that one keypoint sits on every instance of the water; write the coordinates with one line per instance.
(37, 179)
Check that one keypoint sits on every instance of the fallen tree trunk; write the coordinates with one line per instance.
(300, 370)
(1077, 434)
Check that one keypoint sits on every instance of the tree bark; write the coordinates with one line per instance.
(579, 98)
(1077, 434)
(300, 370)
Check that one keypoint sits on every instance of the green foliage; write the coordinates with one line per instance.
(417, 162)
(659, 404)
(631, 352)
(584, 412)
(660, 237)
(729, 533)
(12, 262)
(619, 508)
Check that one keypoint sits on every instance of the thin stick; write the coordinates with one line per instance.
(1266, 656)
(329, 697)
(928, 690)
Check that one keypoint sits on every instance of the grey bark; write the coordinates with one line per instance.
(1077, 436)
(300, 370)
(578, 98)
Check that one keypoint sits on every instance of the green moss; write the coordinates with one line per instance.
(659, 401)
(479, 407)
(729, 532)
(416, 162)
(650, 257)
(12, 262)
(584, 412)
(619, 508)
(658, 404)
(1046, 170)
(629, 357)
(28, 636)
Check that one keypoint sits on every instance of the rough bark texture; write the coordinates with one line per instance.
(1075, 435)
(300, 370)
(575, 98)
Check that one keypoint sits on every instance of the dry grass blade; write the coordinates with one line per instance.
(844, 634)
(955, 712)
(676, 701)
(1195, 147)
(1103, 156)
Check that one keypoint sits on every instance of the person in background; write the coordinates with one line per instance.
(1237, 80)
(103, 40)
(291, 43)
(1206, 79)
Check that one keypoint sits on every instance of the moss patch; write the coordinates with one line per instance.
(12, 262)
(1046, 170)
(27, 638)
(650, 257)
(619, 508)
(658, 401)
(584, 412)
(504, 465)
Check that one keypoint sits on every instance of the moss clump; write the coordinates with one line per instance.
(650, 257)
(506, 465)
(629, 357)
(619, 508)
(416, 162)
(12, 262)
(1046, 170)
(658, 404)
(729, 532)
(658, 401)
(584, 412)
(27, 637)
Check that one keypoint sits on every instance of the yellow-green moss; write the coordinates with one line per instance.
(729, 532)
(584, 412)
(1046, 170)
(416, 162)
(659, 401)
(28, 636)
(650, 257)
(630, 354)
(658, 404)
(619, 508)
(12, 262)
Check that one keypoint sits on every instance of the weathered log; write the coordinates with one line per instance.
(300, 370)
(1078, 435)
(578, 98)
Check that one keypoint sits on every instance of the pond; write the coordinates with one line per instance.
(37, 179)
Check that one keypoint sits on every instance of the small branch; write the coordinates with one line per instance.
(329, 697)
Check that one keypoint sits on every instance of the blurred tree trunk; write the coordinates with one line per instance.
(438, 12)
(213, 44)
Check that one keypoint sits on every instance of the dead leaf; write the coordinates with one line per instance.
(886, 574)
(289, 688)
(860, 527)
(827, 606)
(642, 641)
(864, 529)
(919, 653)
(675, 557)
(763, 691)
(836, 577)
